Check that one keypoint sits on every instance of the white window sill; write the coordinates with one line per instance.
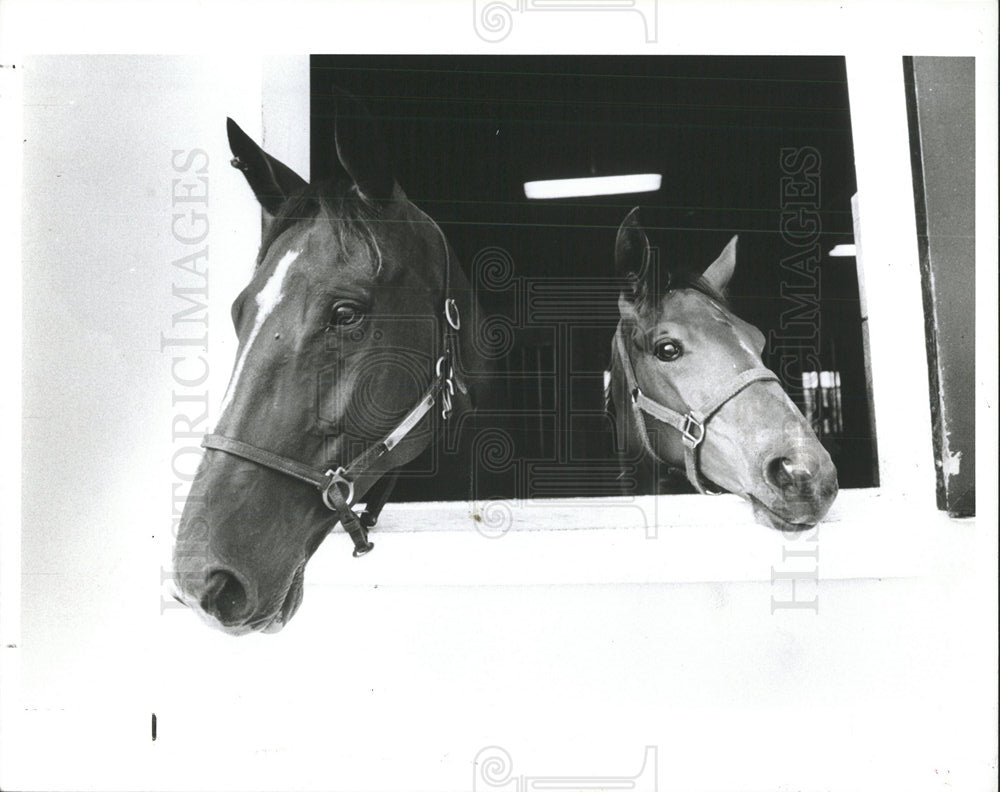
(665, 539)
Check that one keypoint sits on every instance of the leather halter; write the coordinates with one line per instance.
(336, 484)
(691, 424)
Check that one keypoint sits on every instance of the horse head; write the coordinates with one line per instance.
(689, 390)
(350, 358)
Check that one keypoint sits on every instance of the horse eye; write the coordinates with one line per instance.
(347, 315)
(668, 351)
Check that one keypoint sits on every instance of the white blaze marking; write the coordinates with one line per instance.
(746, 347)
(267, 300)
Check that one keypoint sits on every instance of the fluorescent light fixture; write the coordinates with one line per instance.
(843, 250)
(593, 185)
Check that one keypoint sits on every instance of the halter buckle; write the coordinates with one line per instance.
(446, 403)
(338, 476)
(452, 315)
(690, 438)
(439, 367)
(447, 383)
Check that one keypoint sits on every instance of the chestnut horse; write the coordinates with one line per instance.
(689, 392)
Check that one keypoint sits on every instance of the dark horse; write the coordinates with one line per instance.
(352, 355)
(690, 393)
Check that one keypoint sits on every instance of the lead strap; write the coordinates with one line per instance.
(351, 522)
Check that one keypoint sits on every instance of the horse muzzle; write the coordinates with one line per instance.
(225, 600)
(800, 486)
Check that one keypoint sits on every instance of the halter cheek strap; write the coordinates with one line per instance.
(337, 484)
(691, 424)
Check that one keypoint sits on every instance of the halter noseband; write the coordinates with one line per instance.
(336, 484)
(691, 424)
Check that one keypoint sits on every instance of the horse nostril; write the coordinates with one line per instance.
(790, 473)
(225, 598)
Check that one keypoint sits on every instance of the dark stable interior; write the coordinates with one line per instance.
(465, 132)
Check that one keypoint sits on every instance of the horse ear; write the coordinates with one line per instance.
(271, 181)
(360, 148)
(720, 271)
(634, 258)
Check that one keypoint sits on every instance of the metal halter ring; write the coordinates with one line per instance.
(439, 369)
(452, 315)
(690, 422)
(338, 477)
